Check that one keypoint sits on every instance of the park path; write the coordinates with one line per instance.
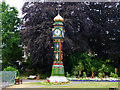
(29, 81)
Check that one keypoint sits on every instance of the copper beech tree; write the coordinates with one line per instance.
(88, 25)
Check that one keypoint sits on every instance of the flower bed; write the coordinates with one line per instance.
(109, 79)
(47, 82)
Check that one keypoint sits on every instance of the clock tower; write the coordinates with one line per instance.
(58, 36)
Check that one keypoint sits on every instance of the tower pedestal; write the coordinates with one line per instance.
(58, 79)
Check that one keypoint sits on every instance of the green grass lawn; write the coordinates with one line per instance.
(80, 85)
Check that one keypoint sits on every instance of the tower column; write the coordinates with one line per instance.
(58, 36)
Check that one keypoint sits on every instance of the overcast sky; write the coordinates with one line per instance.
(16, 3)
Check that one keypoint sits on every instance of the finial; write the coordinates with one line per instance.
(58, 6)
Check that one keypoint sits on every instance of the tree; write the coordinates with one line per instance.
(105, 36)
(80, 67)
(92, 70)
(10, 35)
(88, 25)
(75, 71)
(103, 69)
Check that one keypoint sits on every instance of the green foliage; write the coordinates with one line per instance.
(10, 21)
(87, 63)
(82, 61)
(92, 69)
(67, 74)
(10, 68)
(75, 71)
(10, 35)
(100, 75)
(84, 75)
(96, 63)
(103, 69)
(86, 60)
(80, 66)
(113, 75)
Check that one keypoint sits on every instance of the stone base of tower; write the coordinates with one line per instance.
(58, 79)
(57, 70)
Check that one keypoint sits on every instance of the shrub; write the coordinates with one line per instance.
(43, 76)
(84, 75)
(113, 75)
(10, 68)
(75, 71)
(67, 74)
(100, 75)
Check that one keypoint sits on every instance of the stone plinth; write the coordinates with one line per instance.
(58, 79)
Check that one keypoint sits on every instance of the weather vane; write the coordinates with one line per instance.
(59, 6)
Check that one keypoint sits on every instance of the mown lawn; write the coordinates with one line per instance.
(71, 85)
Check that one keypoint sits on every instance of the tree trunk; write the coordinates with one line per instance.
(103, 74)
(92, 74)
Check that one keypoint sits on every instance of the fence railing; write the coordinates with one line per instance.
(7, 78)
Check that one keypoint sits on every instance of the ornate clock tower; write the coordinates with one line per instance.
(58, 36)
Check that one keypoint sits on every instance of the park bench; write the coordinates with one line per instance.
(32, 77)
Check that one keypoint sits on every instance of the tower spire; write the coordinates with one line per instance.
(58, 17)
(58, 6)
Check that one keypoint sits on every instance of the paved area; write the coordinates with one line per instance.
(5, 84)
(29, 81)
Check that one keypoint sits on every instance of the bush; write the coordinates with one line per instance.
(100, 75)
(43, 76)
(113, 75)
(10, 68)
(84, 75)
(75, 71)
(67, 74)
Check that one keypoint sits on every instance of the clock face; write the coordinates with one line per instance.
(57, 32)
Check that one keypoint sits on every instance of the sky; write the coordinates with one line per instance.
(16, 3)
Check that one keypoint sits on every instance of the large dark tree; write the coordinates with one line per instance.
(92, 26)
